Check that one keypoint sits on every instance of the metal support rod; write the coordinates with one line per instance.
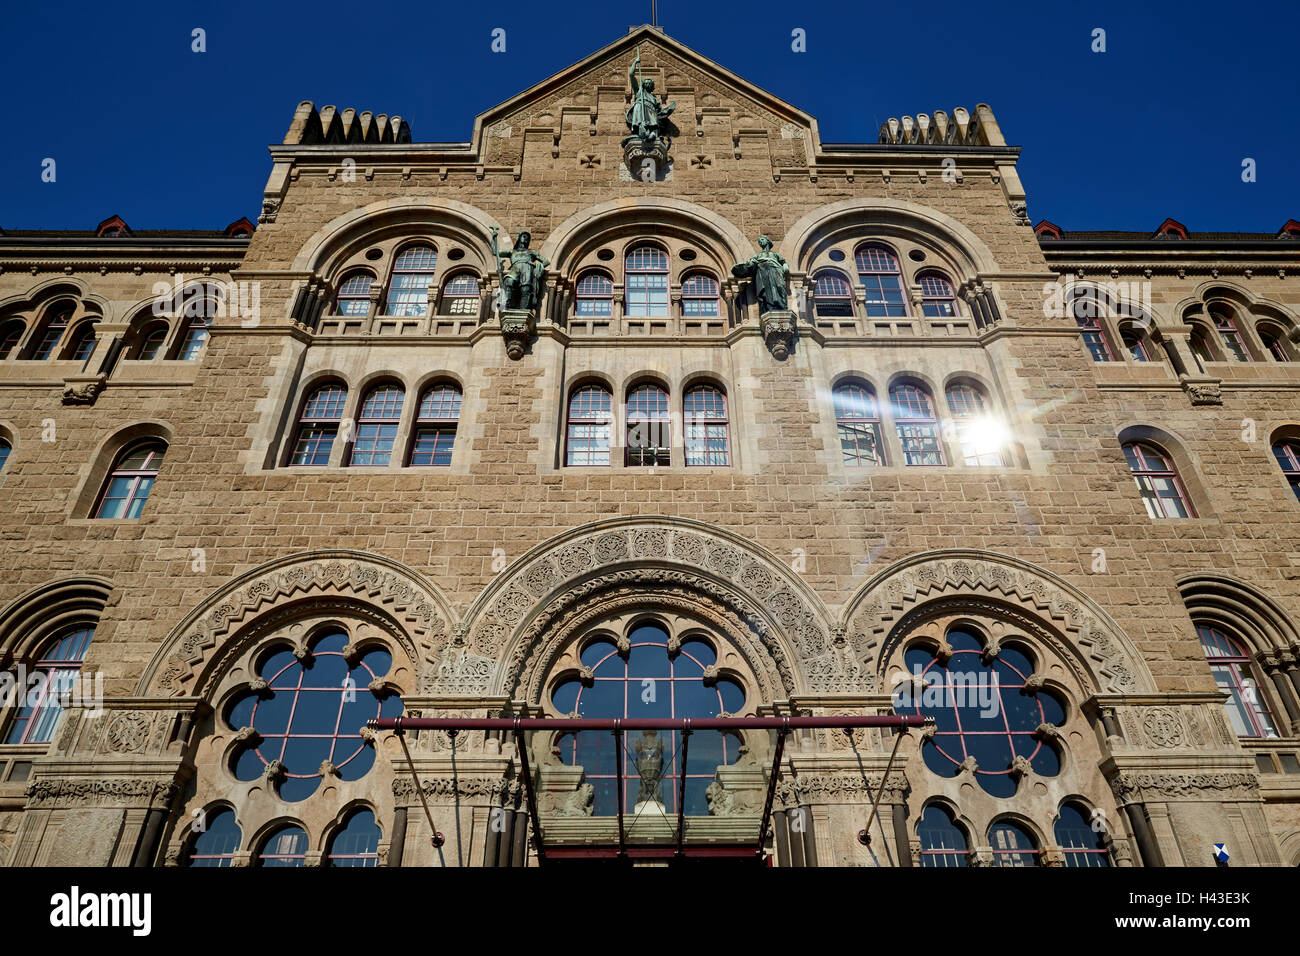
(531, 797)
(618, 779)
(681, 787)
(864, 837)
(771, 783)
(577, 724)
(437, 838)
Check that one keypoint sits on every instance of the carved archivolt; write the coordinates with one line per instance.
(513, 617)
(1098, 653)
(389, 595)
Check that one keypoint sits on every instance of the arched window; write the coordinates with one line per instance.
(354, 294)
(1233, 344)
(857, 421)
(616, 690)
(435, 426)
(594, 294)
(704, 413)
(699, 294)
(943, 843)
(40, 704)
(587, 438)
(319, 424)
(1157, 480)
(52, 333)
(879, 274)
(286, 846)
(1234, 672)
(1136, 342)
(1200, 345)
(1287, 453)
(981, 438)
(966, 726)
(648, 428)
(1274, 339)
(217, 843)
(151, 343)
(196, 334)
(460, 295)
(408, 289)
(308, 720)
(5, 450)
(83, 342)
(1083, 845)
(377, 422)
(646, 277)
(832, 295)
(918, 429)
(937, 298)
(1086, 309)
(131, 480)
(357, 844)
(10, 335)
(201, 305)
(1012, 845)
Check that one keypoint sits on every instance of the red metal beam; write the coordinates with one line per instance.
(771, 789)
(576, 724)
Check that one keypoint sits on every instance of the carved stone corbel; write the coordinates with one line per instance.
(517, 328)
(778, 332)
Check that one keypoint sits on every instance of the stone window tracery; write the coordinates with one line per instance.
(357, 843)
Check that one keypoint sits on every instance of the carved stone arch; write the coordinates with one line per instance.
(40, 613)
(1082, 636)
(1241, 610)
(964, 249)
(467, 223)
(368, 587)
(509, 628)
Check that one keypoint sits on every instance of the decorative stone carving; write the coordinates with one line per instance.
(517, 328)
(83, 392)
(1204, 392)
(106, 792)
(127, 733)
(1163, 728)
(1138, 787)
(461, 674)
(778, 332)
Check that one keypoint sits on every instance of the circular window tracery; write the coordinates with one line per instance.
(982, 710)
(310, 714)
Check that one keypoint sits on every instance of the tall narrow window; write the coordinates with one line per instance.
(937, 297)
(287, 846)
(217, 844)
(10, 336)
(152, 342)
(1082, 843)
(699, 295)
(587, 439)
(1233, 344)
(648, 435)
(318, 425)
(942, 841)
(857, 420)
(196, 333)
(435, 426)
(1157, 480)
(879, 274)
(357, 844)
(131, 481)
(83, 342)
(5, 449)
(980, 436)
(832, 295)
(1012, 845)
(1200, 346)
(1086, 308)
(60, 665)
(377, 422)
(594, 295)
(1136, 343)
(704, 413)
(918, 429)
(354, 294)
(52, 333)
(1234, 672)
(1287, 453)
(646, 276)
(408, 290)
(460, 295)
(1274, 340)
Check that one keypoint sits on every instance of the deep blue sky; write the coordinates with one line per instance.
(1157, 126)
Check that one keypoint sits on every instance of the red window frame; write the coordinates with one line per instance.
(880, 275)
(136, 482)
(1234, 673)
(705, 420)
(589, 418)
(378, 419)
(916, 425)
(434, 438)
(1150, 466)
(12, 335)
(353, 297)
(460, 295)
(645, 275)
(1287, 453)
(318, 424)
(60, 662)
(648, 425)
(407, 294)
(857, 425)
(937, 297)
(1234, 345)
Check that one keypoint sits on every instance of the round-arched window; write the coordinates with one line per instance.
(217, 843)
(982, 711)
(308, 719)
(1084, 844)
(357, 844)
(647, 680)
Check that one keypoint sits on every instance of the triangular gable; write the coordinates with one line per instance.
(676, 67)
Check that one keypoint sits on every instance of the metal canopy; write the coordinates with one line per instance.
(623, 849)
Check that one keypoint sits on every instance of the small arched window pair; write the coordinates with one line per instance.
(944, 843)
(356, 844)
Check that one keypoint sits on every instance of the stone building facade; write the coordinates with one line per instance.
(243, 465)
